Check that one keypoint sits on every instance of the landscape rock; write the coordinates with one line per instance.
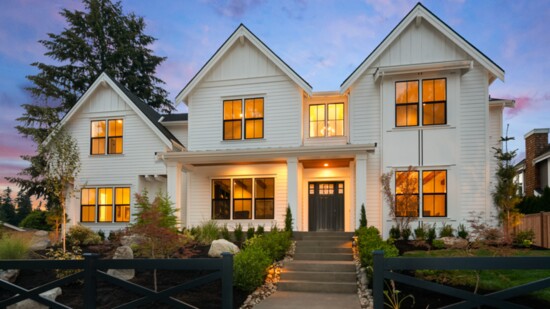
(9, 275)
(131, 240)
(40, 241)
(455, 242)
(123, 253)
(31, 304)
(222, 245)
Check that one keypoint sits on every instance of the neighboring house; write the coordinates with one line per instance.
(257, 139)
(533, 172)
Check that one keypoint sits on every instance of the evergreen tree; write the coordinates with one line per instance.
(505, 194)
(7, 209)
(101, 38)
(24, 206)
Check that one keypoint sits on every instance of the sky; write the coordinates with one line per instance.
(322, 40)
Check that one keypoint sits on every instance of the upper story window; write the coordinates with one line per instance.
(106, 136)
(253, 124)
(99, 204)
(433, 193)
(434, 102)
(326, 120)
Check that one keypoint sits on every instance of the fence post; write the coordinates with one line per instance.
(378, 279)
(227, 280)
(90, 282)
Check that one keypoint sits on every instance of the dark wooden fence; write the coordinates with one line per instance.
(540, 224)
(91, 272)
(384, 269)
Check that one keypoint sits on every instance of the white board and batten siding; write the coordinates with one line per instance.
(245, 72)
(138, 158)
(200, 184)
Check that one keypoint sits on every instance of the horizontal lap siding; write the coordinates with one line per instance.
(200, 201)
(365, 129)
(473, 183)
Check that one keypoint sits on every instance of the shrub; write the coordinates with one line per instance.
(446, 231)
(101, 235)
(207, 232)
(58, 254)
(225, 232)
(462, 233)
(430, 236)
(36, 220)
(369, 240)
(82, 235)
(239, 235)
(275, 244)
(260, 230)
(420, 232)
(288, 220)
(250, 232)
(274, 228)
(363, 217)
(406, 233)
(395, 233)
(13, 247)
(438, 244)
(524, 238)
(249, 268)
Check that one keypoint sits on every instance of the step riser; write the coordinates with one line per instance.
(323, 257)
(317, 287)
(328, 244)
(320, 267)
(325, 238)
(350, 277)
(322, 250)
(300, 235)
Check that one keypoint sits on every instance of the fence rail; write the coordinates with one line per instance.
(91, 273)
(540, 224)
(384, 267)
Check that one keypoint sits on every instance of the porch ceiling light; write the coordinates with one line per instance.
(325, 165)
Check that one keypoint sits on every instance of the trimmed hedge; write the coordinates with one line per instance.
(369, 240)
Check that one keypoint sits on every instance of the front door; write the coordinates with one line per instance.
(326, 206)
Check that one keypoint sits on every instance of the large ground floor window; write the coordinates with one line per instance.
(243, 198)
(428, 193)
(105, 204)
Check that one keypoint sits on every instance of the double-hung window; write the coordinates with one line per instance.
(243, 198)
(100, 205)
(326, 120)
(106, 136)
(433, 192)
(251, 121)
(434, 102)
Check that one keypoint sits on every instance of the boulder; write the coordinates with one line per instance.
(455, 242)
(9, 275)
(40, 241)
(131, 240)
(31, 304)
(222, 245)
(123, 253)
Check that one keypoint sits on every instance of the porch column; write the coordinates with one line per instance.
(174, 186)
(292, 191)
(360, 185)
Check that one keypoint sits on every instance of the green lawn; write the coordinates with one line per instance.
(492, 280)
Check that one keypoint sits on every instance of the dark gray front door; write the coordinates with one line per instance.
(326, 206)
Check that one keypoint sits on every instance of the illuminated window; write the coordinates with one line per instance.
(112, 130)
(434, 101)
(264, 198)
(243, 198)
(326, 120)
(434, 193)
(122, 204)
(406, 104)
(105, 204)
(406, 194)
(98, 137)
(253, 119)
(87, 205)
(115, 136)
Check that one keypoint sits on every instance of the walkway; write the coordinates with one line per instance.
(289, 300)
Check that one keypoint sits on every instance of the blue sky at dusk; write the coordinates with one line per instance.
(322, 40)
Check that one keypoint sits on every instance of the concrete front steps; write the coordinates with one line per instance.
(323, 263)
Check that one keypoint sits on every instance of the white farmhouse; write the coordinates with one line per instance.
(257, 139)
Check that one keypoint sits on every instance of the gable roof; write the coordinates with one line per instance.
(239, 33)
(420, 11)
(144, 111)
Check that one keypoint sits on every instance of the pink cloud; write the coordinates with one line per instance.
(528, 104)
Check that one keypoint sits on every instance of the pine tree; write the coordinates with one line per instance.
(506, 195)
(7, 209)
(24, 206)
(101, 38)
